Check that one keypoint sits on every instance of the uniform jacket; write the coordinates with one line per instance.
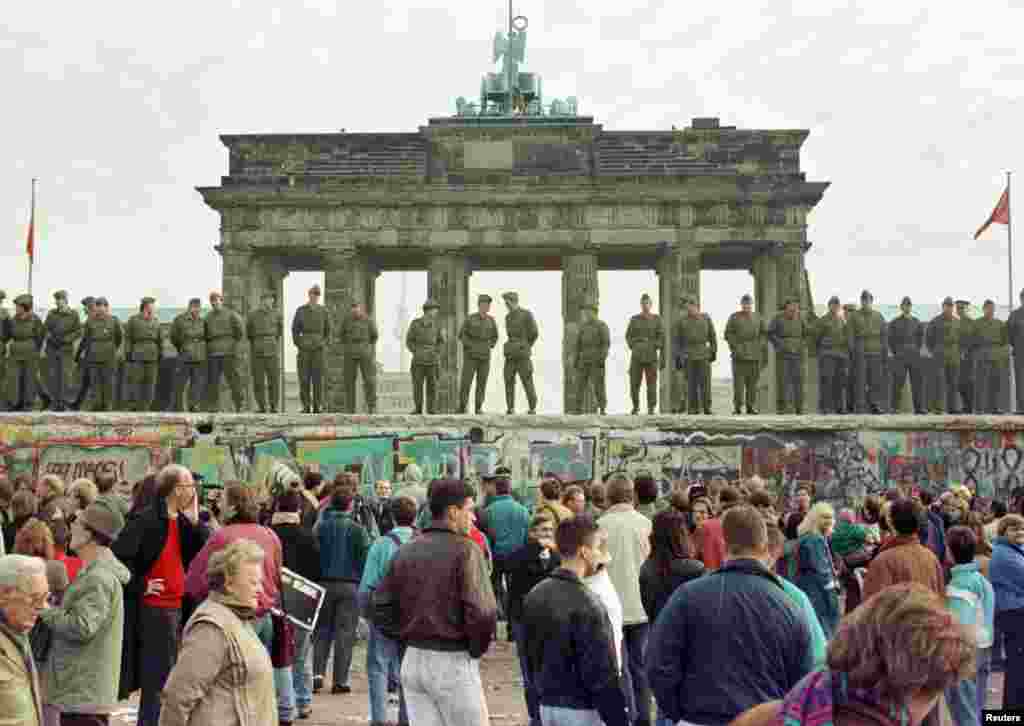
(424, 341)
(19, 681)
(571, 650)
(906, 336)
(904, 559)
(188, 336)
(521, 331)
(525, 568)
(645, 338)
(868, 332)
(691, 651)
(224, 331)
(5, 316)
(63, 328)
(943, 338)
(629, 534)
(508, 522)
(443, 594)
(26, 336)
(832, 337)
(264, 329)
(592, 343)
(102, 338)
(479, 335)
(311, 327)
(1015, 329)
(343, 546)
(83, 670)
(695, 338)
(1007, 573)
(788, 336)
(990, 340)
(223, 676)
(358, 336)
(745, 335)
(143, 339)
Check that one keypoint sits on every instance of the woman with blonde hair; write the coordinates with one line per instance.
(815, 570)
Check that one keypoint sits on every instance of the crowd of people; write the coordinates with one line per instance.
(722, 603)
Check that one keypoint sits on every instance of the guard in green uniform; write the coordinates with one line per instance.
(990, 351)
(479, 335)
(25, 333)
(942, 339)
(5, 316)
(265, 328)
(745, 334)
(831, 340)
(521, 331)
(788, 334)
(63, 328)
(311, 333)
(224, 333)
(849, 313)
(358, 338)
(188, 336)
(84, 376)
(645, 338)
(424, 340)
(965, 382)
(696, 347)
(101, 340)
(1015, 326)
(143, 351)
(906, 337)
(871, 355)
(588, 356)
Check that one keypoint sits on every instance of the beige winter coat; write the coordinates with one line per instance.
(19, 681)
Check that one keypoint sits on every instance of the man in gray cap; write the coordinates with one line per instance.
(745, 334)
(63, 328)
(990, 351)
(870, 356)
(788, 334)
(479, 335)
(264, 328)
(696, 347)
(832, 342)
(358, 333)
(906, 337)
(1015, 329)
(311, 332)
(521, 333)
(425, 341)
(143, 351)
(81, 355)
(25, 333)
(587, 356)
(965, 383)
(645, 337)
(102, 340)
(942, 338)
(188, 336)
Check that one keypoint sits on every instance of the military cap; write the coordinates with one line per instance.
(948, 300)
(148, 300)
(195, 301)
(316, 289)
(647, 298)
(906, 300)
(747, 299)
(964, 303)
(88, 300)
(987, 303)
(25, 300)
(483, 297)
(511, 296)
(865, 295)
(102, 301)
(431, 303)
(834, 300)
(60, 295)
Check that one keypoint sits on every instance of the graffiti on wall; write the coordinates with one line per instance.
(76, 461)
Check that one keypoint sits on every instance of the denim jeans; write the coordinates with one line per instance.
(339, 618)
(529, 690)
(634, 643)
(383, 656)
(557, 716)
(984, 671)
(443, 688)
(302, 671)
(264, 629)
(962, 699)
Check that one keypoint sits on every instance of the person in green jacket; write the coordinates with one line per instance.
(943, 342)
(424, 340)
(831, 340)
(25, 333)
(696, 348)
(265, 328)
(745, 334)
(788, 333)
(188, 336)
(224, 333)
(990, 351)
(588, 356)
(102, 340)
(63, 328)
(82, 674)
(359, 335)
(645, 338)
(143, 351)
(521, 331)
(311, 333)
(4, 388)
(965, 383)
(479, 335)
(868, 333)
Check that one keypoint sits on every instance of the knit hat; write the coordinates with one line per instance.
(100, 517)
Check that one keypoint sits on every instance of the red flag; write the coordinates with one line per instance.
(1000, 215)
(30, 246)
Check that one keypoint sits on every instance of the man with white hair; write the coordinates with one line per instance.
(23, 595)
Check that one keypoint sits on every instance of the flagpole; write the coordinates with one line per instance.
(32, 224)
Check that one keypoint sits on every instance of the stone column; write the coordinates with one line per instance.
(238, 290)
(579, 287)
(768, 304)
(678, 276)
(348, 277)
(448, 284)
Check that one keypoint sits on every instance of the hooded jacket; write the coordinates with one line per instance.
(83, 670)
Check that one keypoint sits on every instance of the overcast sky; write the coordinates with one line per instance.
(914, 109)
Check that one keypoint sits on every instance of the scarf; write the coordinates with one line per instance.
(814, 700)
(243, 611)
(285, 518)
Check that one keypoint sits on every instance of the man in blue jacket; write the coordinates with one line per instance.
(506, 524)
(691, 657)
